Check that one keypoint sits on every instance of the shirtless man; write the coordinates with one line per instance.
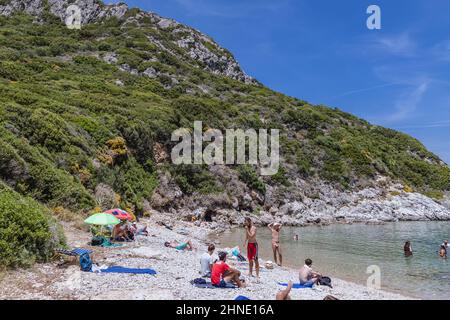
(275, 228)
(252, 246)
(307, 275)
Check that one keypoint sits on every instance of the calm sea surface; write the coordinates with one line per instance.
(345, 251)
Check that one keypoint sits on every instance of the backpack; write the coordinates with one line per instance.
(85, 262)
(325, 281)
(97, 241)
(199, 281)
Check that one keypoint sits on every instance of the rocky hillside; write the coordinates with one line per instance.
(86, 118)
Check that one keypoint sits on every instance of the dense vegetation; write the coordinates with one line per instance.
(69, 121)
(28, 233)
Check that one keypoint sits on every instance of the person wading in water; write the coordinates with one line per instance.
(407, 248)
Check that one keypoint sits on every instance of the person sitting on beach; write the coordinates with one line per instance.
(180, 245)
(443, 252)
(206, 261)
(222, 274)
(407, 248)
(133, 227)
(275, 229)
(121, 233)
(284, 294)
(307, 276)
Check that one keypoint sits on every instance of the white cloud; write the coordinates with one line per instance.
(229, 9)
(408, 101)
(441, 51)
(437, 124)
(402, 45)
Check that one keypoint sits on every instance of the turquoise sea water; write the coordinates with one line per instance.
(345, 251)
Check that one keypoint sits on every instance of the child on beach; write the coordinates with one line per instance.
(275, 229)
(252, 246)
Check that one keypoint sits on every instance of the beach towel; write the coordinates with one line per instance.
(75, 252)
(101, 241)
(117, 269)
(241, 298)
(209, 285)
(297, 285)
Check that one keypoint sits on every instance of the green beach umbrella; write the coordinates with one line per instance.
(102, 219)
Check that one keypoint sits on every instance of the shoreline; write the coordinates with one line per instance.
(294, 269)
(174, 272)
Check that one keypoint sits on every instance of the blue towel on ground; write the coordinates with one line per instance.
(298, 285)
(209, 285)
(241, 298)
(116, 269)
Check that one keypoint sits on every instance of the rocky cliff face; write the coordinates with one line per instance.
(307, 203)
(196, 46)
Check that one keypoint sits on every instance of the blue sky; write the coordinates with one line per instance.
(321, 51)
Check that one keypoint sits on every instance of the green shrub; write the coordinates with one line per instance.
(27, 231)
(195, 178)
(249, 176)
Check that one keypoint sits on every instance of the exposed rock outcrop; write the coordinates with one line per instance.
(196, 46)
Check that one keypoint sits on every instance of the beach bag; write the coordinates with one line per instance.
(85, 262)
(199, 281)
(325, 281)
(97, 241)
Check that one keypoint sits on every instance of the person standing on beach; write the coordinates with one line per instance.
(252, 246)
(275, 229)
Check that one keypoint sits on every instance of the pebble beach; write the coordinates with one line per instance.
(175, 269)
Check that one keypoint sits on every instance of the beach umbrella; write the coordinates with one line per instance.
(102, 219)
(120, 214)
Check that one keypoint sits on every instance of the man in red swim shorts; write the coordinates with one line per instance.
(252, 246)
